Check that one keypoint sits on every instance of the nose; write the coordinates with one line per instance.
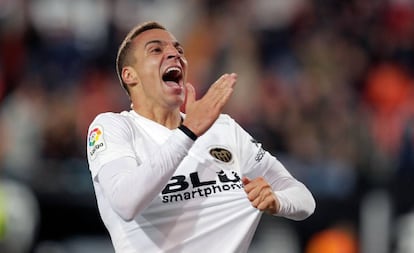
(173, 56)
(172, 52)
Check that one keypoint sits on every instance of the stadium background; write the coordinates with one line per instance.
(326, 85)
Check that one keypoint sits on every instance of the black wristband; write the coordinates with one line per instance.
(188, 132)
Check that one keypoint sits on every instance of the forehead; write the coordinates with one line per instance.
(153, 35)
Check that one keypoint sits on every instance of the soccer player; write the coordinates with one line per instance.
(166, 181)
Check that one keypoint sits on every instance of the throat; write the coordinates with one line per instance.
(170, 120)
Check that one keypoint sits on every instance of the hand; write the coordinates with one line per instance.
(261, 195)
(201, 114)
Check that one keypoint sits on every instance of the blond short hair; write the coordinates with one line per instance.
(124, 58)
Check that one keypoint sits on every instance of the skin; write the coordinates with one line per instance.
(261, 195)
(156, 50)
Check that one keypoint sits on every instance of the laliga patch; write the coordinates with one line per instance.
(96, 142)
(221, 154)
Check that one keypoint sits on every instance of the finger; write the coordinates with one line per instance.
(220, 98)
(254, 194)
(257, 189)
(250, 184)
(269, 205)
(221, 80)
(245, 180)
(256, 202)
(234, 79)
(191, 94)
(263, 206)
(221, 90)
(260, 201)
(226, 80)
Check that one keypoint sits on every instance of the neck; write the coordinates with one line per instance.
(169, 119)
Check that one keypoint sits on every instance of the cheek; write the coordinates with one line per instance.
(149, 71)
(184, 63)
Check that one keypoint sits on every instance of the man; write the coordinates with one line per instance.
(166, 181)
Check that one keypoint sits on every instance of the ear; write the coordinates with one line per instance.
(129, 75)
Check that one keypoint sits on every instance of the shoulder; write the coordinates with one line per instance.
(227, 123)
(225, 120)
(111, 118)
(111, 121)
(224, 125)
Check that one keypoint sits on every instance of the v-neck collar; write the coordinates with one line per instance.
(155, 130)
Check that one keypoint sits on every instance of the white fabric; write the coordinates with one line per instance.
(158, 191)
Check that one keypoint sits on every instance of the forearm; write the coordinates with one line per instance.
(130, 187)
(295, 200)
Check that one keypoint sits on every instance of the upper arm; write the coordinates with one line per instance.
(109, 138)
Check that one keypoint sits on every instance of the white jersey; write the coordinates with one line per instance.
(202, 205)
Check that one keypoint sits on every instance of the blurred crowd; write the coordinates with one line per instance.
(326, 86)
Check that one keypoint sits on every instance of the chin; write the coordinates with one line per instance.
(178, 102)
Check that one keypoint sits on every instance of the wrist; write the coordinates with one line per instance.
(188, 132)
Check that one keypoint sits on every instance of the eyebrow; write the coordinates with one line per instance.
(176, 43)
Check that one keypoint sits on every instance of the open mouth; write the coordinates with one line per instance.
(172, 76)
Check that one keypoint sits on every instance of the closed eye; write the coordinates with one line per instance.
(180, 50)
(156, 50)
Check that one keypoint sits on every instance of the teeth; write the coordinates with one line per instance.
(173, 69)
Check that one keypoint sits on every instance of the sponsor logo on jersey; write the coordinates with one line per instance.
(221, 154)
(182, 187)
(95, 141)
(260, 153)
(255, 142)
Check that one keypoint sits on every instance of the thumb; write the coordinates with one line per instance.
(191, 95)
(245, 180)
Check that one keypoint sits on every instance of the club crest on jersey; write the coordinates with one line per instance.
(95, 141)
(221, 154)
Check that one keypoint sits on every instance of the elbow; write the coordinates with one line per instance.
(309, 210)
(302, 210)
(312, 208)
(127, 213)
(127, 217)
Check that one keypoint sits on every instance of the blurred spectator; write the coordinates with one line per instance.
(389, 95)
(404, 178)
(406, 159)
(404, 233)
(2, 85)
(22, 116)
(97, 91)
(333, 240)
(19, 217)
(13, 49)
